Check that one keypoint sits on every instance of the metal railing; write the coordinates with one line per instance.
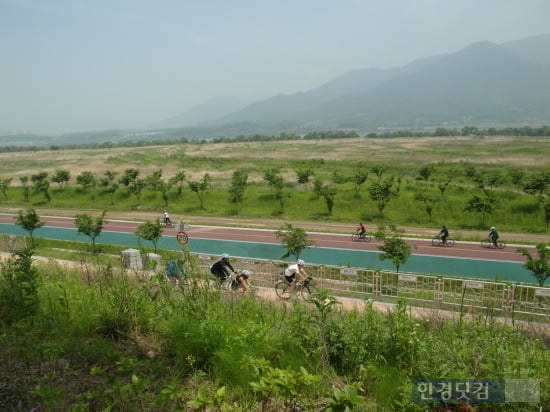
(506, 299)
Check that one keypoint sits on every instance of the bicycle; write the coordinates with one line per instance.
(303, 289)
(365, 237)
(222, 284)
(168, 224)
(437, 241)
(488, 243)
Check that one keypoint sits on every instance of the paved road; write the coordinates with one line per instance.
(471, 250)
(467, 259)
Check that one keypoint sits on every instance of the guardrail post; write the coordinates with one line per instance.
(377, 282)
(508, 295)
(438, 290)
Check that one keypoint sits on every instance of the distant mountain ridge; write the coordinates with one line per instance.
(214, 108)
(482, 84)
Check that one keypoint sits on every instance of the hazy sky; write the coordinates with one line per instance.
(77, 65)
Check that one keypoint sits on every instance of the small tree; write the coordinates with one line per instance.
(275, 180)
(133, 183)
(178, 180)
(4, 183)
(328, 193)
(537, 185)
(541, 266)
(516, 177)
(88, 181)
(360, 175)
(449, 176)
(19, 282)
(151, 231)
(41, 184)
(61, 177)
(425, 172)
(381, 192)
(25, 187)
(201, 187)
(546, 211)
(303, 176)
(394, 247)
(90, 226)
(30, 221)
(294, 240)
(429, 203)
(109, 183)
(239, 182)
(485, 206)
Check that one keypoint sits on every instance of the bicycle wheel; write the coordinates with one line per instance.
(435, 241)
(306, 290)
(213, 283)
(501, 245)
(486, 243)
(367, 237)
(355, 237)
(450, 242)
(281, 289)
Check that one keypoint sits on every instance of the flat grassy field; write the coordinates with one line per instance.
(196, 159)
(334, 163)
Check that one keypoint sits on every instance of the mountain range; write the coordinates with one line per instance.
(484, 84)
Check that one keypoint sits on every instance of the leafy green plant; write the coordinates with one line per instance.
(541, 266)
(19, 284)
(90, 226)
(346, 400)
(151, 231)
(394, 248)
(30, 221)
(208, 401)
(294, 240)
(279, 383)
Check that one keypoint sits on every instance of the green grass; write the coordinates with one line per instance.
(105, 339)
(399, 158)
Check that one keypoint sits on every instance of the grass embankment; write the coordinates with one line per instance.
(96, 338)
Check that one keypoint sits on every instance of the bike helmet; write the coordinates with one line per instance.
(300, 262)
(246, 273)
(492, 228)
(225, 256)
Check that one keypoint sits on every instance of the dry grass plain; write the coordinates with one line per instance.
(521, 152)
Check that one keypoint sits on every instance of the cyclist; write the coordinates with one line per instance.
(175, 271)
(166, 218)
(221, 268)
(241, 281)
(493, 235)
(361, 231)
(444, 234)
(295, 273)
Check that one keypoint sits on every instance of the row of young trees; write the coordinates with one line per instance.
(293, 239)
(383, 187)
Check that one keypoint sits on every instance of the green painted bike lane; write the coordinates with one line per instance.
(421, 264)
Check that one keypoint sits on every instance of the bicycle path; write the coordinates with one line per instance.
(465, 259)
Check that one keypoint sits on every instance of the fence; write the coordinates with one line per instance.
(12, 243)
(511, 300)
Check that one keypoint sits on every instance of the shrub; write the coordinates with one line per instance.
(19, 282)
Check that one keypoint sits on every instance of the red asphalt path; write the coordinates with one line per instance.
(471, 250)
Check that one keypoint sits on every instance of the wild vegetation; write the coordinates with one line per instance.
(97, 338)
(93, 337)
